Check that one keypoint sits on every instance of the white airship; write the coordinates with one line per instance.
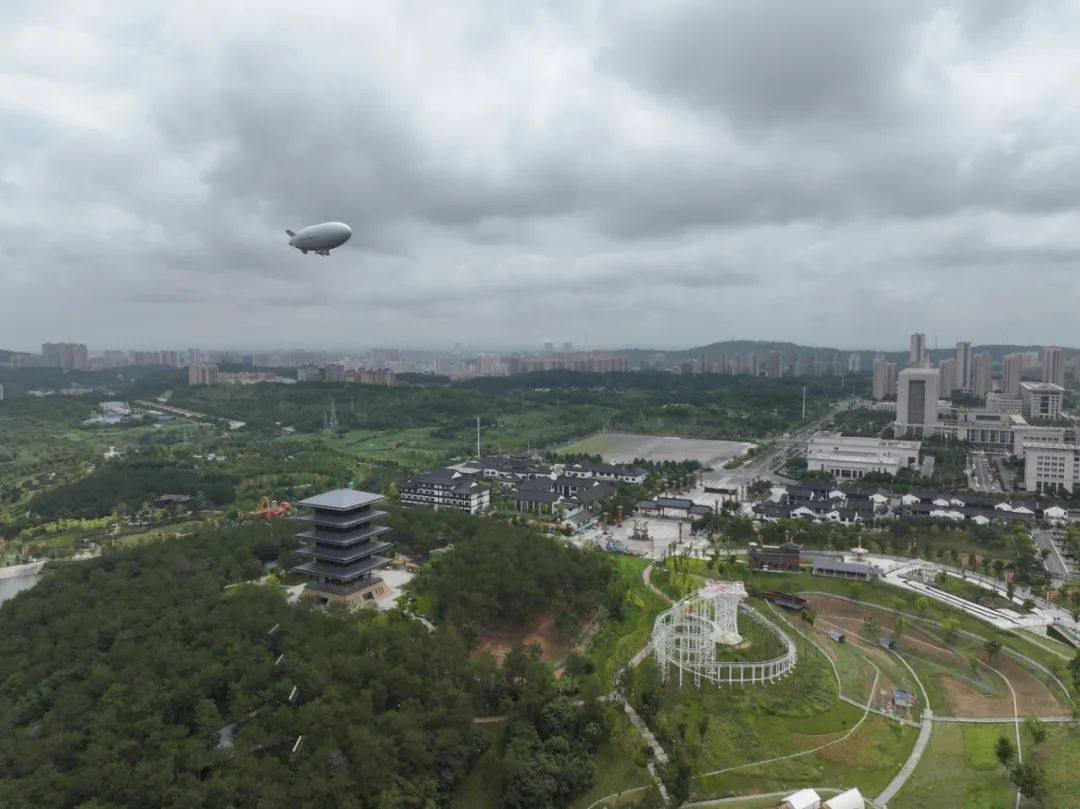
(320, 239)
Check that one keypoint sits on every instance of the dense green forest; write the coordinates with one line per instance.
(133, 484)
(505, 575)
(118, 674)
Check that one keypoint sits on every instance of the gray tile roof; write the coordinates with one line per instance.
(341, 500)
(843, 567)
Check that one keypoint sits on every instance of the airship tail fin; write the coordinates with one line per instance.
(291, 234)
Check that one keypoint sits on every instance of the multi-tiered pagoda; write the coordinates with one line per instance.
(344, 546)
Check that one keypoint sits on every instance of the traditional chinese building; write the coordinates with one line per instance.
(344, 542)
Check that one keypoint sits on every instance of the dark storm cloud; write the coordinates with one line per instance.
(509, 173)
(770, 63)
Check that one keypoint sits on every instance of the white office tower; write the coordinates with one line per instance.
(965, 371)
(917, 358)
(983, 379)
(948, 377)
(1012, 371)
(917, 393)
(1054, 366)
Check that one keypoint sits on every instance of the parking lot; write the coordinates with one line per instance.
(625, 447)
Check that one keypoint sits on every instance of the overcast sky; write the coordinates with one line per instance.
(627, 173)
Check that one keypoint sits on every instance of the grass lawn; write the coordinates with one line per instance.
(1059, 755)
(961, 541)
(868, 759)
(416, 448)
(887, 595)
(618, 641)
(722, 728)
(959, 769)
(855, 670)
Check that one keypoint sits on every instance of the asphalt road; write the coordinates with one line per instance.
(761, 467)
(982, 476)
(1054, 562)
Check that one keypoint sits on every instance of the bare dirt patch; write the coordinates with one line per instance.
(1033, 696)
(966, 701)
(553, 645)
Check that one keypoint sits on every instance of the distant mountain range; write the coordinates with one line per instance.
(731, 348)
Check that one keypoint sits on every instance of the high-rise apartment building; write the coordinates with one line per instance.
(964, 369)
(948, 377)
(1012, 371)
(983, 380)
(772, 366)
(854, 362)
(202, 373)
(917, 402)
(884, 378)
(69, 356)
(917, 358)
(1054, 366)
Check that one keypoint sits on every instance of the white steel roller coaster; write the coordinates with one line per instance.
(685, 638)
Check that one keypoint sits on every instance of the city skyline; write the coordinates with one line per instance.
(937, 352)
(625, 170)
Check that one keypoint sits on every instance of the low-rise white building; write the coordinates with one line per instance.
(1042, 400)
(851, 457)
(1050, 466)
(1024, 433)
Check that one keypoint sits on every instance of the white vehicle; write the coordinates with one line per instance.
(320, 239)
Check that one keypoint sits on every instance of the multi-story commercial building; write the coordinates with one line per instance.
(1051, 466)
(202, 373)
(1054, 366)
(335, 372)
(1042, 400)
(1012, 371)
(445, 488)
(344, 538)
(948, 377)
(1025, 434)
(884, 378)
(917, 357)
(965, 369)
(851, 458)
(984, 382)
(69, 356)
(917, 402)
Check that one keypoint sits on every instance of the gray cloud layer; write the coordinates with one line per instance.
(651, 173)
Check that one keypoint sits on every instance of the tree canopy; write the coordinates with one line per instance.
(505, 575)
